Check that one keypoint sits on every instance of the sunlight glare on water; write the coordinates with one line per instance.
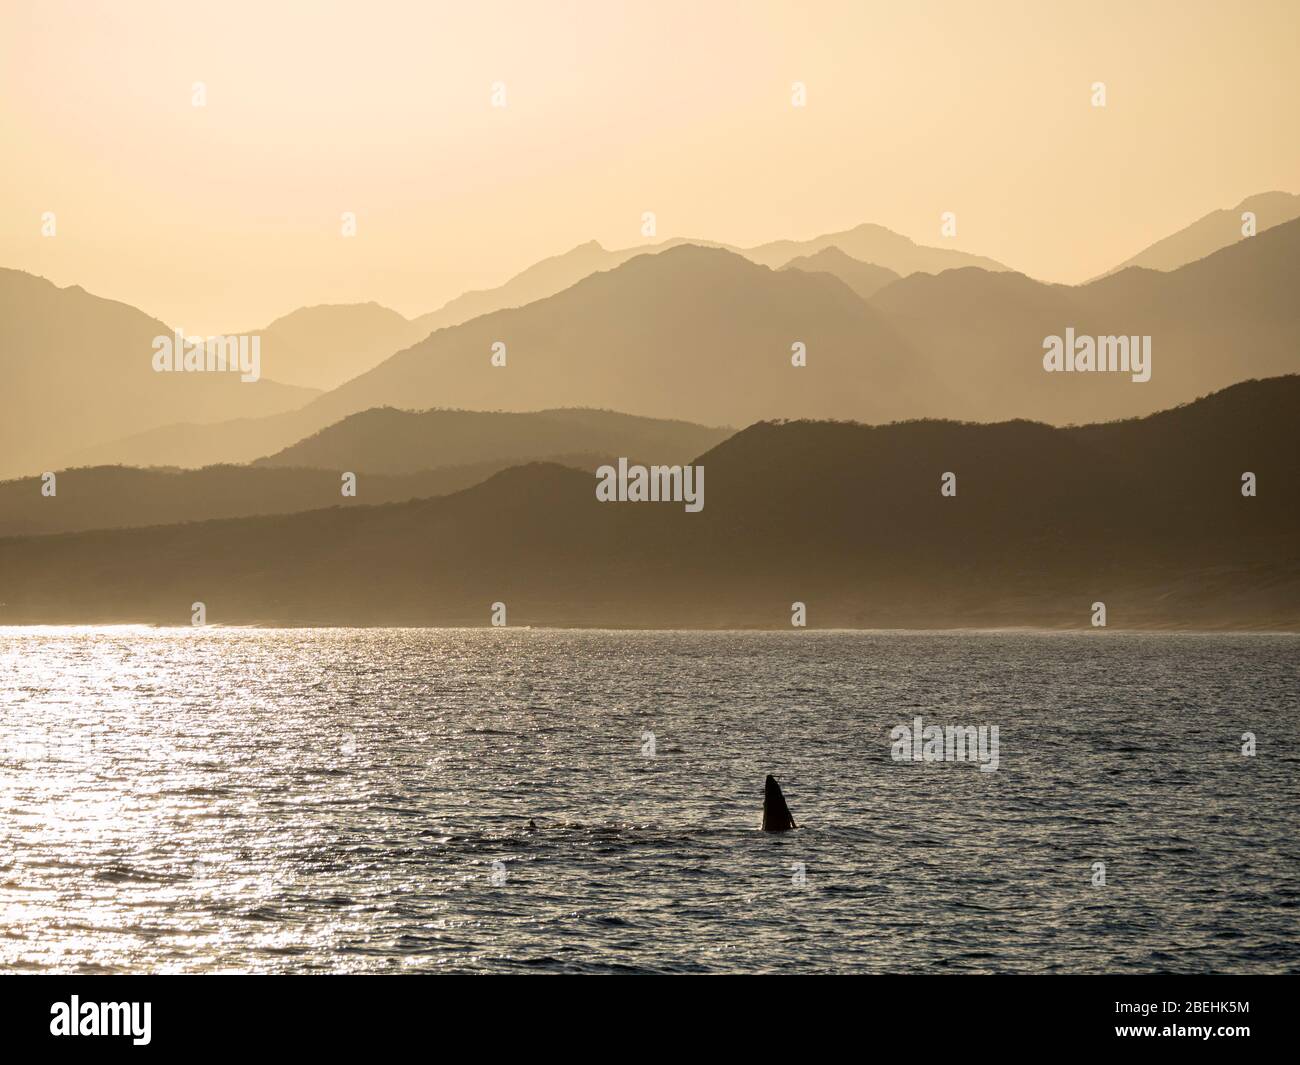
(218, 800)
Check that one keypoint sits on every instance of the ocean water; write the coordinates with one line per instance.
(245, 800)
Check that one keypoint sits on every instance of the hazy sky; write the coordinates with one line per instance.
(226, 216)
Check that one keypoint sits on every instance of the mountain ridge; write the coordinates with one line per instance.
(1213, 231)
(79, 373)
(1146, 515)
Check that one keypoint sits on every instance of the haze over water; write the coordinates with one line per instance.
(334, 800)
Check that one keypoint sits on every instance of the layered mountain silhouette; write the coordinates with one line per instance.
(692, 332)
(865, 279)
(1229, 316)
(78, 371)
(386, 440)
(395, 455)
(686, 330)
(183, 444)
(112, 497)
(706, 335)
(869, 243)
(872, 244)
(321, 347)
(540, 280)
(1216, 230)
(1146, 516)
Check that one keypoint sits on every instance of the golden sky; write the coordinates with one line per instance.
(223, 217)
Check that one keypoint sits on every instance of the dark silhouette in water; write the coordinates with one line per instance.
(776, 814)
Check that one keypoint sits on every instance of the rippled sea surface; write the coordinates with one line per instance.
(243, 800)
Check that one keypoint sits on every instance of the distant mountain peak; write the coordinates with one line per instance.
(1273, 195)
(700, 253)
(1214, 231)
(865, 279)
